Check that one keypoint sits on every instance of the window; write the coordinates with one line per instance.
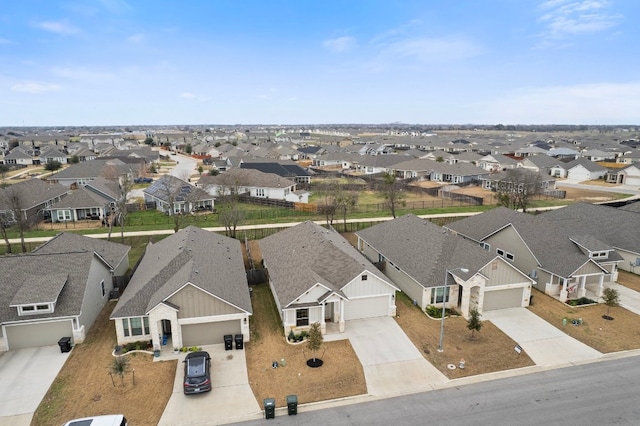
(509, 256)
(102, 288)
(136, 326)
(302, 317)
(28, 308)
(500, 252)
(260, 192)
(64, 215)
(42, 307)
(485, 246)
(437, 294)
(364, 277)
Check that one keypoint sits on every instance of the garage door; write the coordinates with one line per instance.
(208, 333)
(31, 335)
(501, 299)
(367, 307)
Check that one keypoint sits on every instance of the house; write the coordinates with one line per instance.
(93, 201)
(84, 172)
(19, 156)
(616, 229)
(539, 163)
(582, 169)
(516, 180)
(415, 255)
(50, 154)
(496, 162)
(253, 183)
(189, 289)
(562, 263)
(629, 175)
(33, 197)
(315, 275)
(57, 291)
(285, 169)
(458, 173)
(172, 195)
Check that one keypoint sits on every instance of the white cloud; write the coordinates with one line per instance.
(187, 95)
(136, 38)
(340, 44)
(35, 88)
(5, 41)
(433, 49)
(57, 27)
(604, 103)
(116, 6)
(563, 18)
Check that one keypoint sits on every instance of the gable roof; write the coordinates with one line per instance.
(209, 261)
(299, 257)
(247, 177)
(282, 169)
(170, 186)
(33, 192)
(25, 268)
(66, 242)
(424, 250)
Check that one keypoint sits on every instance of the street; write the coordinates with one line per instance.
(600, 393)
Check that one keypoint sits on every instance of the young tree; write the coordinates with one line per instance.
(74, 159)
(611, 298)
(230, 185)
(517, 187)
(392, 192)
(4, 226)
(473, 323)
(3, 171)
(314, 339)
(52, 165)
(345, 201)
(119, 367)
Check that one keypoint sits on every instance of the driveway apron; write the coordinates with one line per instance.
(231, 398)
(629, 299)
(545, 344)
(25, 377)
(392, 364)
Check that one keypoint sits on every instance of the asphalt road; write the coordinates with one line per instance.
(601, 393)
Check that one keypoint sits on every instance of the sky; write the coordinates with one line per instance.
(157, 62)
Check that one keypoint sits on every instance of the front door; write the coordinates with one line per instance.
(166, 327)
(328, 311)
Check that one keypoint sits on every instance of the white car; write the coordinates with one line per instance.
(111, 420)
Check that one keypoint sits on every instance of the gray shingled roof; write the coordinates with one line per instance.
(207, 260)
(39, 289)
(631, 207)
(424, 250)
(81, 198)
(299, 257)
(247, 177)
(66, 242)
(26, 266)
(33, 192)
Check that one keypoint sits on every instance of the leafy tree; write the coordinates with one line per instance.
(74, 159)
(149, 141)
(200, 169)
(314, 338)
(439, 159)
(392, 192)
(52, 165)
(517, 187)
(119, 367)
(473, 323)
(188, 149)
(611, 298)
(3, 170)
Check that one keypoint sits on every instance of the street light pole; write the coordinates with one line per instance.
(444, 302)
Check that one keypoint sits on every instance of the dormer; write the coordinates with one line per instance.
(39, 294)
(592, 247)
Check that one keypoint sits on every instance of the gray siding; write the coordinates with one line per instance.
(194, 302)
(93, 301)
(498, 273)
(509, 241)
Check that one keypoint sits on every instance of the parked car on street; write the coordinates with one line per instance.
(197, 372)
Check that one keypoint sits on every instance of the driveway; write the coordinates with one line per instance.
(545, 344)
(231, 398)
(26, 376)
(392, 364)
(629, 299)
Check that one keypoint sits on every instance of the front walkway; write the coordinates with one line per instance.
(392, 364)
(544, 343)
(231, 398)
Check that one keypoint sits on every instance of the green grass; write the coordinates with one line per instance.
(264, 307)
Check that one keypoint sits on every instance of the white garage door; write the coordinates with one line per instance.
(501, 299)
(208, 333)
(32, 335)
(366, 307)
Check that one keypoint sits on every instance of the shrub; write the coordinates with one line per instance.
(292, 336)
(580, 301)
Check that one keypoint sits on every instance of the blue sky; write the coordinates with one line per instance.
(117, 62)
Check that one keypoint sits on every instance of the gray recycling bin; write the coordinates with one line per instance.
(239, 341)
(269, 408)
(292, 404)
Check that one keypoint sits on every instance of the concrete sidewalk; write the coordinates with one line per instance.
(545, 344)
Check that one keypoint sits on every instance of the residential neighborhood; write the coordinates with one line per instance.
(196, 281)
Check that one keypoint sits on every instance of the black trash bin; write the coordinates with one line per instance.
(65, 344)
(292, 404)
(228, 342)
(239, 341)
(269, 408)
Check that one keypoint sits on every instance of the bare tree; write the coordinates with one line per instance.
(328, 208)
(119, 211)
(392, 192)
(4, 226)
(345, 202)
(229, 187)
(14, 200)
(516, 188)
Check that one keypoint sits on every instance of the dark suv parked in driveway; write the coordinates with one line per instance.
(197, 372)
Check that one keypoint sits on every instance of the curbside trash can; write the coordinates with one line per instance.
(65, 344)
(239, 341)
(292, 404)
(228, 342)
(269, 408)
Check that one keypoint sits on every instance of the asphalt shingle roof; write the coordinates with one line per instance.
(32, 192)
(207, 260)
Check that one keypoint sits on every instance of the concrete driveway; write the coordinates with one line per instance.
(231, 398)
(392, 364)
(545, 344)
(629, 299)
(25, 377)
